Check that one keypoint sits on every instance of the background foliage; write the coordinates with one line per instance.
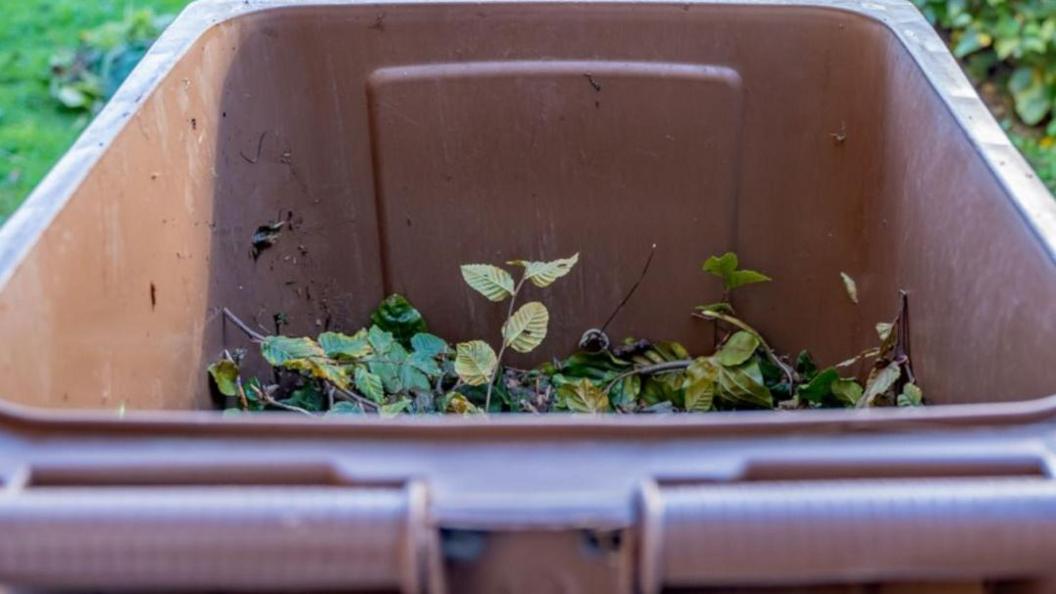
(35, 128)
(1008, 48)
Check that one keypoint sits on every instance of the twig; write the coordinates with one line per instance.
(502, 349)
(253, 334)
(634, 288)
(271, 401)
(353, 397)
(790, 374)
(241, 391)
(649, 370)
(266, 398)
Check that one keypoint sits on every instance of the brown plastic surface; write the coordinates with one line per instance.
(402, 139)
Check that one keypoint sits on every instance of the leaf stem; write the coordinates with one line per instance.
(353, 397)
(649, 370)
(502, 349)
(251, 333)
(790, 374)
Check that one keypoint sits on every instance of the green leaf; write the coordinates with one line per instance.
(490, 281)
(388, 366)
(850, 286)
(425, 363)
(543, 274)
(343, 347)
(662, 352)
(429, 345)
(396, 315)
(818, 389)
(369, 384)
(738, 349)
(1032, 97)
(911, 396)
(624, 394)
(740, 278)
(381, 341)
(225, 374)
(345, 408)
(412, 378)
(308, 397)
(805, 365)
(600, 367)
(395, 408)
(526, 328)
(743, 386)
(582, 396)
(846, 391)
(664, 387)
(726, 268)
(970, 42)
(879, 383)
(721, 307)
(278, 350)
(475, 362)
(304, 355)
(701, 384)
(721, 266)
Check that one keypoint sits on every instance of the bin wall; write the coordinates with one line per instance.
(403, 141)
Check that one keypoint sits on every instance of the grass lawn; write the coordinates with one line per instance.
(34, 129)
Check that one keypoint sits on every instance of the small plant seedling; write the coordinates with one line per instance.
(476, 362)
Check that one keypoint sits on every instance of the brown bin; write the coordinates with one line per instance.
(402, 139)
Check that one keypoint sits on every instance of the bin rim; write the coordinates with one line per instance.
(900, 18)
(763, 423)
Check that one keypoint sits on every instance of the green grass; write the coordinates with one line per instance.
(34, 129)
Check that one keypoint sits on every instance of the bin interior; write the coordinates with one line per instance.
(400, 141)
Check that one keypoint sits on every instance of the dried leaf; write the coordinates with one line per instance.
(490, 281)
(582, 396)
(879, 383)
(737, 349)
(225, 374)
(475, 362)
(526, 329)
(304, 355)
(883, 330)
(543, 274)
(846, 391)
(460, 405)
(701, 384)
(850, 286)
